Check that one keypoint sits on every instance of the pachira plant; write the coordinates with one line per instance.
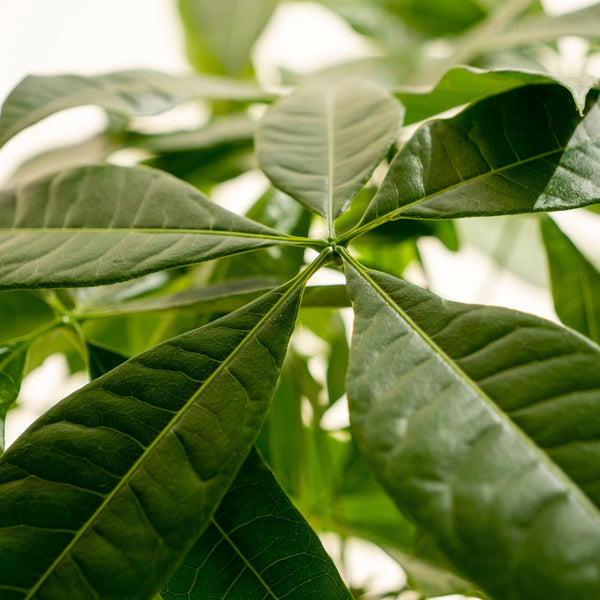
(196, 462)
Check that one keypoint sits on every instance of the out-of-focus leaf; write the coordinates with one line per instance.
(321, 143)
(258, 546)
(326, 296)
(101, 360)
(152, 434)
(545, 28)
(127, 93)
(467, 85)
(93, 151)
(220, 35)
(523, 151)
(221, 130)
(479, 423)
(277, 210)
(221, 297)
(24, 313)
(12, 365)
(575, 282)
(102, 224)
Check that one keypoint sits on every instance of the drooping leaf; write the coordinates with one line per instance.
(220, 35)
(466, 85)
(12, 365)
(321, 143)
(523, 151)
(575, 282)
(481, 424)
(127, 93)
(102, 224)
(258, 546)
(129, 469)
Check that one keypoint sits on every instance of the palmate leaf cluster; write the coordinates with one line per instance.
(193, 462)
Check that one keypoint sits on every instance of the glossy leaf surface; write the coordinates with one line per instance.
(220, 35)
(575, 282)
(127, 93)
(480, 422)
(258, 546)
(527, 150)
(465, 85)
(91, 486)
(103, 224)
(321, 143)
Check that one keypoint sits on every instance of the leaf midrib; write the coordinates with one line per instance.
(295, 284)
(389, 216)
(552, 467)
(244, 559)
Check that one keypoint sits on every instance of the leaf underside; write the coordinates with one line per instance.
(102, 224)
(482, 424)
(257, 547)
(88, 491)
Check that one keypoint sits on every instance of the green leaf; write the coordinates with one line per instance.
(575, 282)
(220, 35)
(222, 297)
(523, 151)
(545, 28)
(127, 93)
(258, 546)
(481, 424)
(466, 85)
(167, 429)
(436, 17)
(12, 365)
(321, 143)
(102, 360)
(102, 224)
(25, 313)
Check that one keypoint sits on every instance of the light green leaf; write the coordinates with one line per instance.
(575, 282)
(545, 28)
(258, 546)
(481, 424)
(153, 444)
(523, 151)
(321, 143)
(12, 365)
(219, 297)
(466, 85)
(221, 130)
(25, 312)
(102, 224)
(127, 93)
(220, 35)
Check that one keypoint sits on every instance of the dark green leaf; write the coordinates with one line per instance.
(257, 547)
(466, 85)
(127, 93)
(526, 150)
(220, 35)
(481, 424)
(321, 144)
(129, 469)
(102, 224)
(12, 365)
(102, 360)
(575, 282)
